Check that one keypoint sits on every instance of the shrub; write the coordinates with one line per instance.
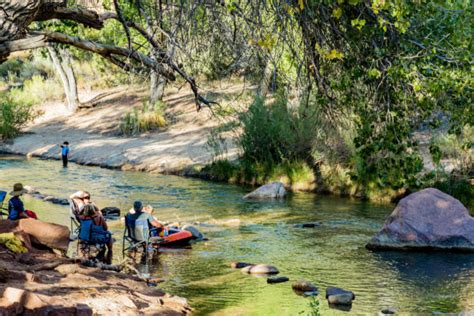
(13, 116)
(147, 118)
(37, 90)
(273, 133)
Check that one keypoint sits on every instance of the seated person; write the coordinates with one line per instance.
(90, 211)
(139, 215)
(77, 203)
(16, 209)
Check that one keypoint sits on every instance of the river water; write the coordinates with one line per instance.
(261, 232)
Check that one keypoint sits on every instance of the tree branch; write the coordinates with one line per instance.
(84, 16)
(106, 51)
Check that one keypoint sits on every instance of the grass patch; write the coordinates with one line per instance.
(148, 118)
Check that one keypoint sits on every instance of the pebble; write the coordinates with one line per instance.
(308, 225)
(388, 310)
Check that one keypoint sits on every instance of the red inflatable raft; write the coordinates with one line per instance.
(176, 238)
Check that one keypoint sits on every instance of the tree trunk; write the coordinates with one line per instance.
(62, 63)
(266, 81)
(157, 87)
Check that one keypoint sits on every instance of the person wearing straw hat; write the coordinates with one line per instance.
(16, 209)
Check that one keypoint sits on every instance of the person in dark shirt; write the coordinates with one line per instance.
(16, 209)
(65, 153)
(140, 215)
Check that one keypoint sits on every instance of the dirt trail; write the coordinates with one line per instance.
(92, 133)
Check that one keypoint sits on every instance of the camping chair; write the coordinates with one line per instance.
(74, 220)
(91, 239)
(138, 236)
(3, 195)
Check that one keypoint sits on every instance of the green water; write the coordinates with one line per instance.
(330, 255)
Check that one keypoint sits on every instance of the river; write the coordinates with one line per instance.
(330, 255)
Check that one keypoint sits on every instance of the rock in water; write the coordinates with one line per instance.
(260, 269)
(272, 190)
(304, 286)
(193, 230)
(388, 310)
(428, 219)
(339, 296)
(240, 265)
(277, 280)
(110, 212)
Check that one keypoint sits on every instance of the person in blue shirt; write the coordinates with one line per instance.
(65, 153)
(16, 209)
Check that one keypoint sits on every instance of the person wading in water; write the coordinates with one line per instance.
(65, 153)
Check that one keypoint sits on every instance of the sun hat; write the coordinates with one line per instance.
(18, 190)
(137, 206)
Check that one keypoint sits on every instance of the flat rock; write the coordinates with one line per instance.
(277, 279)
(308, 225)
(331, 290)
(260, 269)
(304, 286)
(428, 219)
(340, 299)
(30, 189)
(274, 190)
(240, 265)
(388, 310)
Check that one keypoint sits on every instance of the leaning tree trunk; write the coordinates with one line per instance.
(62, 63)
(157, 87)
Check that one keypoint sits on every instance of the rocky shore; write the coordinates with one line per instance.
(37, 281)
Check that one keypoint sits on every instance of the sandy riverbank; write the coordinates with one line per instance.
(92, 133)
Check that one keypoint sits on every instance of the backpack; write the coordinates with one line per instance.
(93, 234)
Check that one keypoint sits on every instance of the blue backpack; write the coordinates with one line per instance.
(93, 234)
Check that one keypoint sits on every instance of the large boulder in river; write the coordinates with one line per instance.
(428, 219)
(272, 190)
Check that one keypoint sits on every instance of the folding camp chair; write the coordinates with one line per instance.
(3, 195)
(137, 236)
(91, 239)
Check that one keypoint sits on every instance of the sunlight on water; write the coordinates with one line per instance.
(330, 255)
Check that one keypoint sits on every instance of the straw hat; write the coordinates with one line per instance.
(18, 190)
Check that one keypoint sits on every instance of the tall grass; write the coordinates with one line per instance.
(140, 120)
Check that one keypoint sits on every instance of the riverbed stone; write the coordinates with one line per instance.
(30, 190)
(194, 231)
(338, 296)
(304, 286)
(280, 279)
(260, 269)
(272, 190)
(427, 219)
(340, 299)
(240, 265)
(308, 225)
(388, 310)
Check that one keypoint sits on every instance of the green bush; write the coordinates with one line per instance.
(13, 116)
(147, 118)
(272, 134)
